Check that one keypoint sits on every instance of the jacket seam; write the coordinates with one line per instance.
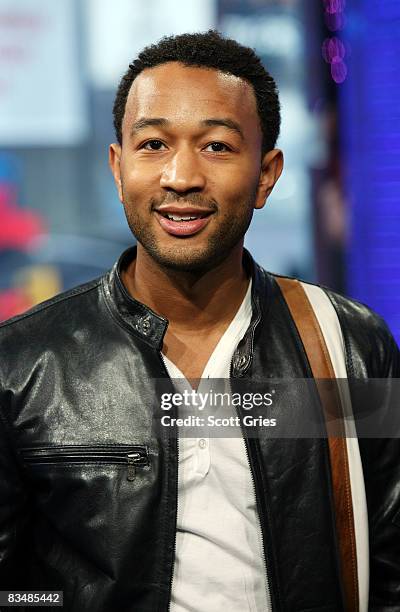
(347, 350)
(334, 533)
(165, 520)
(265, 491)
(48, 304)
(120, 321)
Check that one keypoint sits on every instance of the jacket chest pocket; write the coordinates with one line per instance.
(131, 457)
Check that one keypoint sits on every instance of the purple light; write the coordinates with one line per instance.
(338, 70)
(333, 49)
(334, 6)
(334, 21)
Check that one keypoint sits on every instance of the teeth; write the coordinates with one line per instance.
(181, 218)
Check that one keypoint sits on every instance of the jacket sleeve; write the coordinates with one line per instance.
(14, 518)
(371, 352)
(381, 465)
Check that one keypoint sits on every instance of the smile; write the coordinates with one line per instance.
(172, 217)
(182, 225)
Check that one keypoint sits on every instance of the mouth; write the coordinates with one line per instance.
(182, 222)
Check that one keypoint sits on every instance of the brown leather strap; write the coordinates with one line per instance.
(322, 369)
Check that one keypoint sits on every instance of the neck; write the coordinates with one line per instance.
(188, 299)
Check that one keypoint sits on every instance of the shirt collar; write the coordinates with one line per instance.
(143, 322)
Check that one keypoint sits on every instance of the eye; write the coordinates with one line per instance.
(217, 147)
(153, 145)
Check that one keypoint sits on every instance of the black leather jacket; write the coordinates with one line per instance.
(88, 493)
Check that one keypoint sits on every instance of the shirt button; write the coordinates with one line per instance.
(203, 443)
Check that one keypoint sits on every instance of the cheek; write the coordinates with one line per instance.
(235, 191)
(137, 184)
(241, 178)
(135, 172)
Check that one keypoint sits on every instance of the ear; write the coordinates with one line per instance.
(114, 159)
(271, 169)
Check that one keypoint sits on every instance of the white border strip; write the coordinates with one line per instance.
(330, 327)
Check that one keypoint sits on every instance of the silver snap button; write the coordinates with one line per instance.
(241, 362)
(203, 443)
(145, 324)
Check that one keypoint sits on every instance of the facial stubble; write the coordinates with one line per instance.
(183, 255)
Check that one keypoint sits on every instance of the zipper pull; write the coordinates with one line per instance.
(131, 458)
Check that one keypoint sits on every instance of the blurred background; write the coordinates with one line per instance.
(334, 216)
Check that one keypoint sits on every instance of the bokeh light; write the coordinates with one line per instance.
(334, 6)
(338, 70)
(333, 49)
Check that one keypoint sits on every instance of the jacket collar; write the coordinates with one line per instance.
(143, 322)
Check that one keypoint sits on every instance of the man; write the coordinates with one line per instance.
(93, 501)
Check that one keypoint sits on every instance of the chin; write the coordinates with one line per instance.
(187, 260)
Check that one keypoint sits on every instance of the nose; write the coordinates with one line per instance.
(182, 173)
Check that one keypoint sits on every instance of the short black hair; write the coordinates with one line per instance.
(208, 50)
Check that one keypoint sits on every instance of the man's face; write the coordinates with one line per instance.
(189, 172)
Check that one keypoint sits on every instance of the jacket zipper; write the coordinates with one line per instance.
(266, 558)
(133, 456)
(261, 531)
(171, 439)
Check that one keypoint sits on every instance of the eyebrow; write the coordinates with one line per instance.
(230, 124)
(143, 123)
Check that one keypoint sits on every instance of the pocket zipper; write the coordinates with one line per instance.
(132, 456)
